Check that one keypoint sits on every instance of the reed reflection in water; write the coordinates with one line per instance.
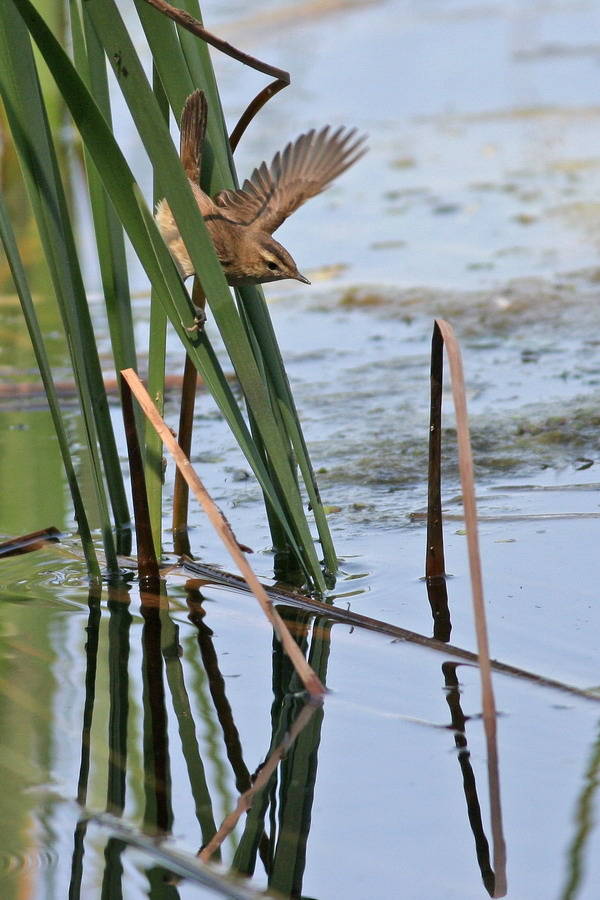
(264, 834)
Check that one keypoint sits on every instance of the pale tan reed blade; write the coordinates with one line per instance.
(307, 675)
(465, 458)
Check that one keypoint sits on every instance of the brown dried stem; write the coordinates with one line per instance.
(27, 543)
(282, 78)
(435, 570)
(186, 422)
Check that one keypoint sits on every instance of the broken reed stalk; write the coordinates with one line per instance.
(435, 566)
(181, 492)
(28, 543)
(465, 458)
(181, 541)
(308, 677)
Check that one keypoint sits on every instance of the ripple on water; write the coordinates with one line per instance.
(29, 859)
(37, 577)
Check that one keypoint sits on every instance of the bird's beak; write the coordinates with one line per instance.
(299, 277)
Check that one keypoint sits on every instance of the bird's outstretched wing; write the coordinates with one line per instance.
(305, 168)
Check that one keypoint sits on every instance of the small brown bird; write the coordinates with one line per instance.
(241, 222)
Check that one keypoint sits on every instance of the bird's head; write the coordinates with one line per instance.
(260, 259)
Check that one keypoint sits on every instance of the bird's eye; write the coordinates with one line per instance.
(272, 266)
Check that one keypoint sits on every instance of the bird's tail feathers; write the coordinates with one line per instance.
(192, 134)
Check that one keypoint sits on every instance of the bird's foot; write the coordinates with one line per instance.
(199, 320)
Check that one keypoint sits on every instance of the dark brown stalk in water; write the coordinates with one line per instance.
(147, 563)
